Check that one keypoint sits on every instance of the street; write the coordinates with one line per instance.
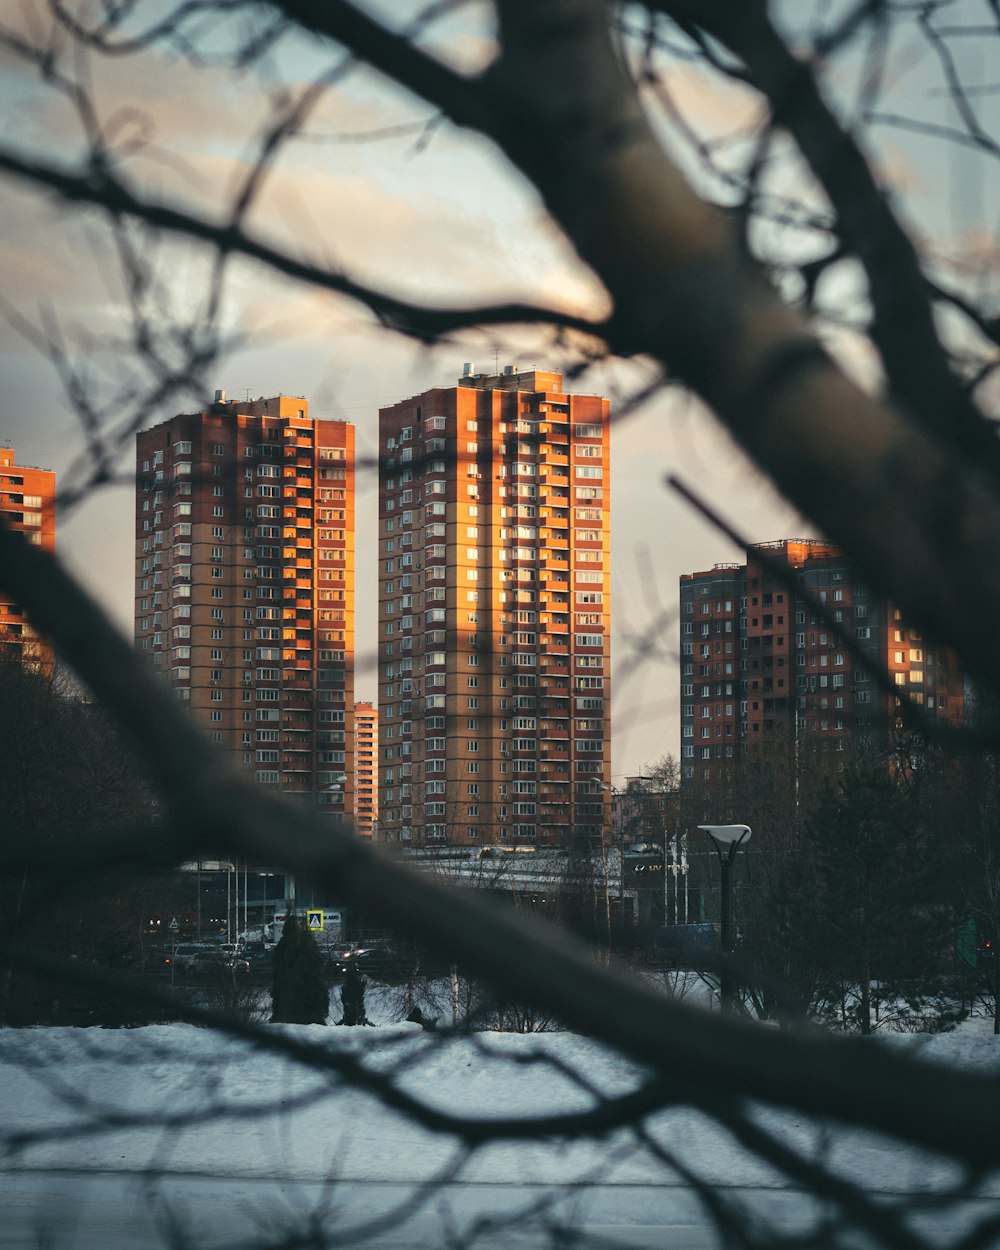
(114, 1211)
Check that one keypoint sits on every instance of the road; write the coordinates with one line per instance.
(112, 1211)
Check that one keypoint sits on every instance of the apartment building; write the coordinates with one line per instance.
(27, 503)
(763, 669)
(244, 585)
(494, 600)
(365, 769)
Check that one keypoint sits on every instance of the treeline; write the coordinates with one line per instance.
(871, 897)
(65, 775)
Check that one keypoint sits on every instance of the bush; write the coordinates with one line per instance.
(298, 991)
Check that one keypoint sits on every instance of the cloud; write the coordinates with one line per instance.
(442, 222)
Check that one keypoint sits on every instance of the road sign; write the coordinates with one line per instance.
(315, 921)
(174, 926)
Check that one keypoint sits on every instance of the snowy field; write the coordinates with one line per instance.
(175, 1135)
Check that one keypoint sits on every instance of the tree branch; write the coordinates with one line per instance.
(699, 1054)
(903, 329)
(99, 186)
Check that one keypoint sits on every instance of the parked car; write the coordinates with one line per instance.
(213, 958)
(374, 958)
(261, 957)
(185, 953)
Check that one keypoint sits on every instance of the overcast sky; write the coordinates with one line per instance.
(432, 215)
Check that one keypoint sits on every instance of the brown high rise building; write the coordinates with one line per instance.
(244, 585)
(765, 677)
(28, 504)
(494, 601)
(365, 769)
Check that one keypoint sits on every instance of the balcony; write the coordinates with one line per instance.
(303, 683)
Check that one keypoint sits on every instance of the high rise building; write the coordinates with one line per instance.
(244, 585)
(762, 670)
(27, 503)
(365, 769)
(494, 600)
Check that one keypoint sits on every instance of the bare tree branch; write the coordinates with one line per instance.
(102, 188)
(959, 1113)
(903, 328)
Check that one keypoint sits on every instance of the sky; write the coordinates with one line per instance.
(428, 214)
(272, 1141)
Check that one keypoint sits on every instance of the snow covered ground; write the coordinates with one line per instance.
(115, 1138)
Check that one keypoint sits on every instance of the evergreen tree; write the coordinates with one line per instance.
(298, 990)
(352, 997)
(883, 918)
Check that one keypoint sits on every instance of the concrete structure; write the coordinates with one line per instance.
(365, 769)
(244, 585)
(494, 589)
(27, 503)
(761, 670)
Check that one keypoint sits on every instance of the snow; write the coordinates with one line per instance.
(181, 1101)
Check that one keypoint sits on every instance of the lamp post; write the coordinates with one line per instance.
(674, 849)
(727, 840)
(608, 788)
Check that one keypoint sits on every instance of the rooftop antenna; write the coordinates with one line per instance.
(496, 361)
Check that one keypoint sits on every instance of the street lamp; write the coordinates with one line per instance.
(727, 840)
(608, 788)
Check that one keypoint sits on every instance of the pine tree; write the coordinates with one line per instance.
(352, 997)
(298, 990)
(881, 912)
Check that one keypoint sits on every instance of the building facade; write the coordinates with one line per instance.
(365, 769)
(763, 672)
(244, 585)
(494, 600)
(28, 504)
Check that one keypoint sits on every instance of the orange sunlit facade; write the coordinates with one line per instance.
(365, 769)
(27, 503)
(244, 584)
(494, 601)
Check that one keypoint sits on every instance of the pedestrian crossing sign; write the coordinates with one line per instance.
(315, 921)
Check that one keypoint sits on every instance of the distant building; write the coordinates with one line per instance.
(646, 811)
(244, 585)
(365, 769)
(27, 503)
(762, 672)
(494, 603)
